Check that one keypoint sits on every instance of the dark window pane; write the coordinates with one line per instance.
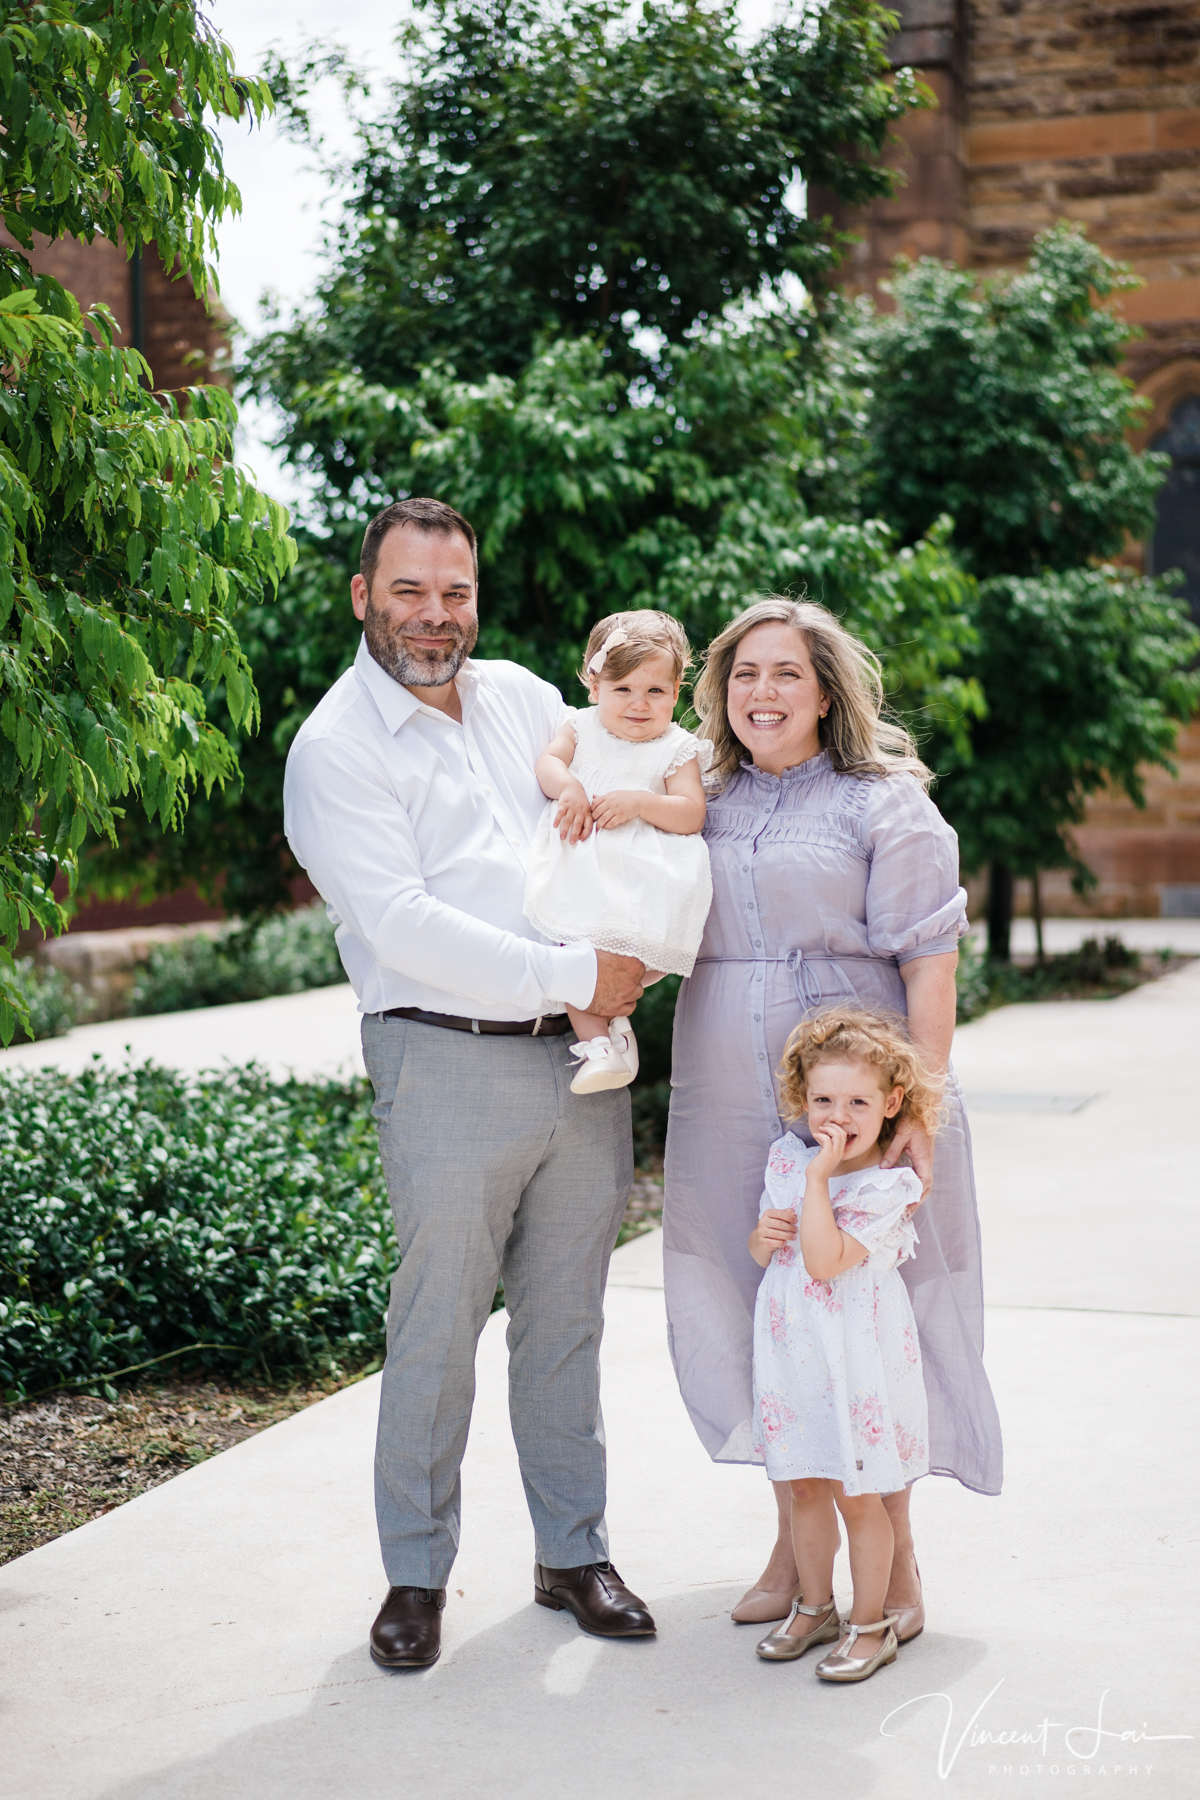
(1177, 536)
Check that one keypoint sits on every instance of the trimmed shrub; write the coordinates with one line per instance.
(144, 1214)
(55, 1002)
(283, 955)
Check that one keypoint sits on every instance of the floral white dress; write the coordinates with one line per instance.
(838, 1390)
(636, 890)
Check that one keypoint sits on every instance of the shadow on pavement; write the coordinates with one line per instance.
(533, 1708)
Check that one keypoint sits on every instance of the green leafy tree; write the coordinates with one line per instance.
(128, 539)
(452, 350)
(1087, 676)
(542, 170)
(692, 501)
(1001, 403)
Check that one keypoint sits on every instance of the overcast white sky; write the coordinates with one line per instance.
(276, 243)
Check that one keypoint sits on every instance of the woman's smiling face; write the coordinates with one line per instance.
(774, 698)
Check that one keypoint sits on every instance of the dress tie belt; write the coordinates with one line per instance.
(797, 956)
(808, 991)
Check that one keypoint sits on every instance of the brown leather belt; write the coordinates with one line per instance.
(552, 1026)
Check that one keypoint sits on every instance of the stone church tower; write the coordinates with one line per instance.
(1087, 112)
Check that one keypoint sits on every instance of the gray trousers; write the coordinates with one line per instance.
(494, 1169)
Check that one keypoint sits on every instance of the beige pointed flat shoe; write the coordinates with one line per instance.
(909, 1620)
(843, 1665)
(780, 1646)
(759, 1606)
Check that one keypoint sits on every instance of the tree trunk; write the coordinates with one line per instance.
(1037, 915)
(1000, 912)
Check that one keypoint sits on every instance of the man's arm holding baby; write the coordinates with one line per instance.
(681, 809)
(357, 844)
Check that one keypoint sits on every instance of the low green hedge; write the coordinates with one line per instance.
(144, 1214)
(55, 1002)
(282, 955)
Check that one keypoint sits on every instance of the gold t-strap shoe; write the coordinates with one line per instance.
(843, 1665)
(777, 1646)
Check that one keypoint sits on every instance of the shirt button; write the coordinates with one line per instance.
(745, 868)
(758, 1018)
(762, 1056)
(758, 943)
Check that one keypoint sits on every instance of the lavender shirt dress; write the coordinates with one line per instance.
(823, 885)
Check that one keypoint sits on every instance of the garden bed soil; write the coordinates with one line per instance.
(69, 1458)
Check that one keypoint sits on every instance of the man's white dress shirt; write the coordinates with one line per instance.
(415, 831)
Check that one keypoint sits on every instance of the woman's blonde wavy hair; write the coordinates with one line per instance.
(859, 740)
(854, 1034)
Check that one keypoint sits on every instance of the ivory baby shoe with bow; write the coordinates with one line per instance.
(601, 1065)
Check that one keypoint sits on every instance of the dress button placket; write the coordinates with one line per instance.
(754, 925)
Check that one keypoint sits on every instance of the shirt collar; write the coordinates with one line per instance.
(396, 704)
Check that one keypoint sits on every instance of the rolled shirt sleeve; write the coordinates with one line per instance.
(914, 903)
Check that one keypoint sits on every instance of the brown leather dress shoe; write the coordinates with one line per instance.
(408, 1632)
(597, 1596)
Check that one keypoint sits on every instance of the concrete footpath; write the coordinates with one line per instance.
(208, 1639)
(316, 1033)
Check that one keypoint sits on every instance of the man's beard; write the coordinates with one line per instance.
(389, 647)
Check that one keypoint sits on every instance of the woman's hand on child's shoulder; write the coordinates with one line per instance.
(574, 819)
(775, 1228)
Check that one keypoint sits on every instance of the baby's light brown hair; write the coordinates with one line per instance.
(853, 1034)
(647, 632)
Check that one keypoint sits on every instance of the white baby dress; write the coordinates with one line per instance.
(635, 890)
(838, 1389)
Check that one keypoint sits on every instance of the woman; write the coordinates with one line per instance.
(834, 878)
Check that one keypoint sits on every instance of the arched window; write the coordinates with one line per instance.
(1176, 542)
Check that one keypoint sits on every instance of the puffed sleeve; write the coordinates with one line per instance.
(915, 906)
(684, 748)
(876, 1214)
(783, 1182)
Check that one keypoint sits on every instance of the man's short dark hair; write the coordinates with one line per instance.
(433, 517)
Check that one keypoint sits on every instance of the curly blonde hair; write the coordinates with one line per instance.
(852, 1034)
(648, 632)
(859, 739)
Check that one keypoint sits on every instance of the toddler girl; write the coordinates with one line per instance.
(618, 861)
(839, 1398)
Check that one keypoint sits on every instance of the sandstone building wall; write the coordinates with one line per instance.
(1090, 113)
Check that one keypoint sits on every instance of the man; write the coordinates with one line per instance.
(411, 800)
